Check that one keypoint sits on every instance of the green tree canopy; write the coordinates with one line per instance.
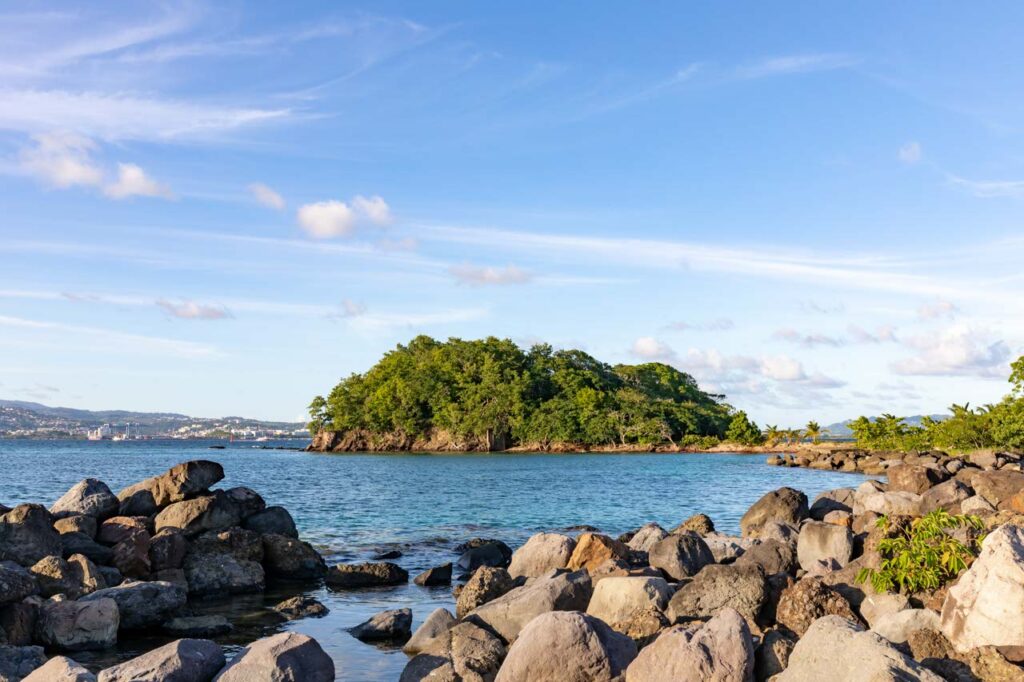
(492, 388)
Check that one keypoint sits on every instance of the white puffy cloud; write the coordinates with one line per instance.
(190, 310)
(479, 276)
(649, 348)
(333, 218)
(133, 181)
(266, 196)
(783, 368)
(959, 350)
(326, 219)
(910, 153)
(374, 209)
(62, 160)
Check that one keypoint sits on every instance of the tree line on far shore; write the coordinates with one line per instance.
(493, 389)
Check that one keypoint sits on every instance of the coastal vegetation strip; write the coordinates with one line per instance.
(489, 395)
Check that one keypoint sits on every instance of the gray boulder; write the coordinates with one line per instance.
(772, 654)
(508, 614)
(286, 558)
(184, 660)
(681, 555)
(822, 541)
(78, 625)
(90, 497)
(493, 553)
(198, 626)
(59, 669)
(463, 652)
(200, 514)
(272, 520)
(948, 496)
(646, 537)
(386, 625)
(875, 606)
(834, 648)
(617, 599)
(16, 662)
(772, 556)
(568, 647)
(283, 657)
(541, 554)
(986, 605)
(27, 535)
(16, 583)
(437, 575)
(366, 574)
(721, 650)
(785, 504)
(896, 627)
(486, 584)
(77, 523)
(742, 588)
(142, 604)
(437, 623)
(302, 606)
(174, 485)
(727, 548)
(840, 499)
(997, 487)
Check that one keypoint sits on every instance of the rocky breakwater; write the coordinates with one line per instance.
(878, 463)
(782, 601)
(96, 567)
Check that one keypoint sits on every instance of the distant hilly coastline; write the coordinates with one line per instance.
(23, 419)
(841, 430)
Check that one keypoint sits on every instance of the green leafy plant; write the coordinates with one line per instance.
(923, 554)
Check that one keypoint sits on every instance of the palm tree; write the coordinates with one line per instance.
(813, 431)
(772, 435)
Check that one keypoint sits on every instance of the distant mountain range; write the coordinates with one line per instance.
(27, 419)
(842, 430)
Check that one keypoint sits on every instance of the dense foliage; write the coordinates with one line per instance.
(923, 554)
(990, 426)
(495, 390)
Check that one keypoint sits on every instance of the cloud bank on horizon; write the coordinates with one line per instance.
(218, 209)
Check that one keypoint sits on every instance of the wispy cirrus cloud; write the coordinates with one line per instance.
(112, 340)
(266, 196)
(191, 310)
(988, 189)
(796, 63)
(475, 275)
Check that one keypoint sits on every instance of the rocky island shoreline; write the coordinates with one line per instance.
(788, 599)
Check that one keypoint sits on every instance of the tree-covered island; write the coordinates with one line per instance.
(491, 394)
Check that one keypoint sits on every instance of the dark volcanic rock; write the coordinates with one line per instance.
(290, 559)
(174, 485)
(27, 535)
(198, 626)
(143, 604)
(91, 497)
(301, 607)
(367, 574)
(16, 582)
(272, 520)
(438, 575)
(386, 625)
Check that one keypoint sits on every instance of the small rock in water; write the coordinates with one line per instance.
(386, 625)
(366, 574)
(438, 575)
(390, 554)
(301, 606)
(582, 527)
(198, 626)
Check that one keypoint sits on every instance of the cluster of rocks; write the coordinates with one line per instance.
(877, 463)
(97, 566)
(779, 602)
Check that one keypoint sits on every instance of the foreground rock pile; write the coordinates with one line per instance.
(779, 602)
(97, 566)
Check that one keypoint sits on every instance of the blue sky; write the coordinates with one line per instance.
(223, 208)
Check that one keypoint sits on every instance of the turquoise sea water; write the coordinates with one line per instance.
(354, 506)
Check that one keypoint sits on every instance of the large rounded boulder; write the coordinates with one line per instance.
(680, 555)
(567, 647)
(541, 554)
(721, 650)
(785, 504)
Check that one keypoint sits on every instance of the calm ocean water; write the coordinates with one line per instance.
(354, 506)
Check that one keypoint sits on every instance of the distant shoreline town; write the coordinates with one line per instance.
(28, 420)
